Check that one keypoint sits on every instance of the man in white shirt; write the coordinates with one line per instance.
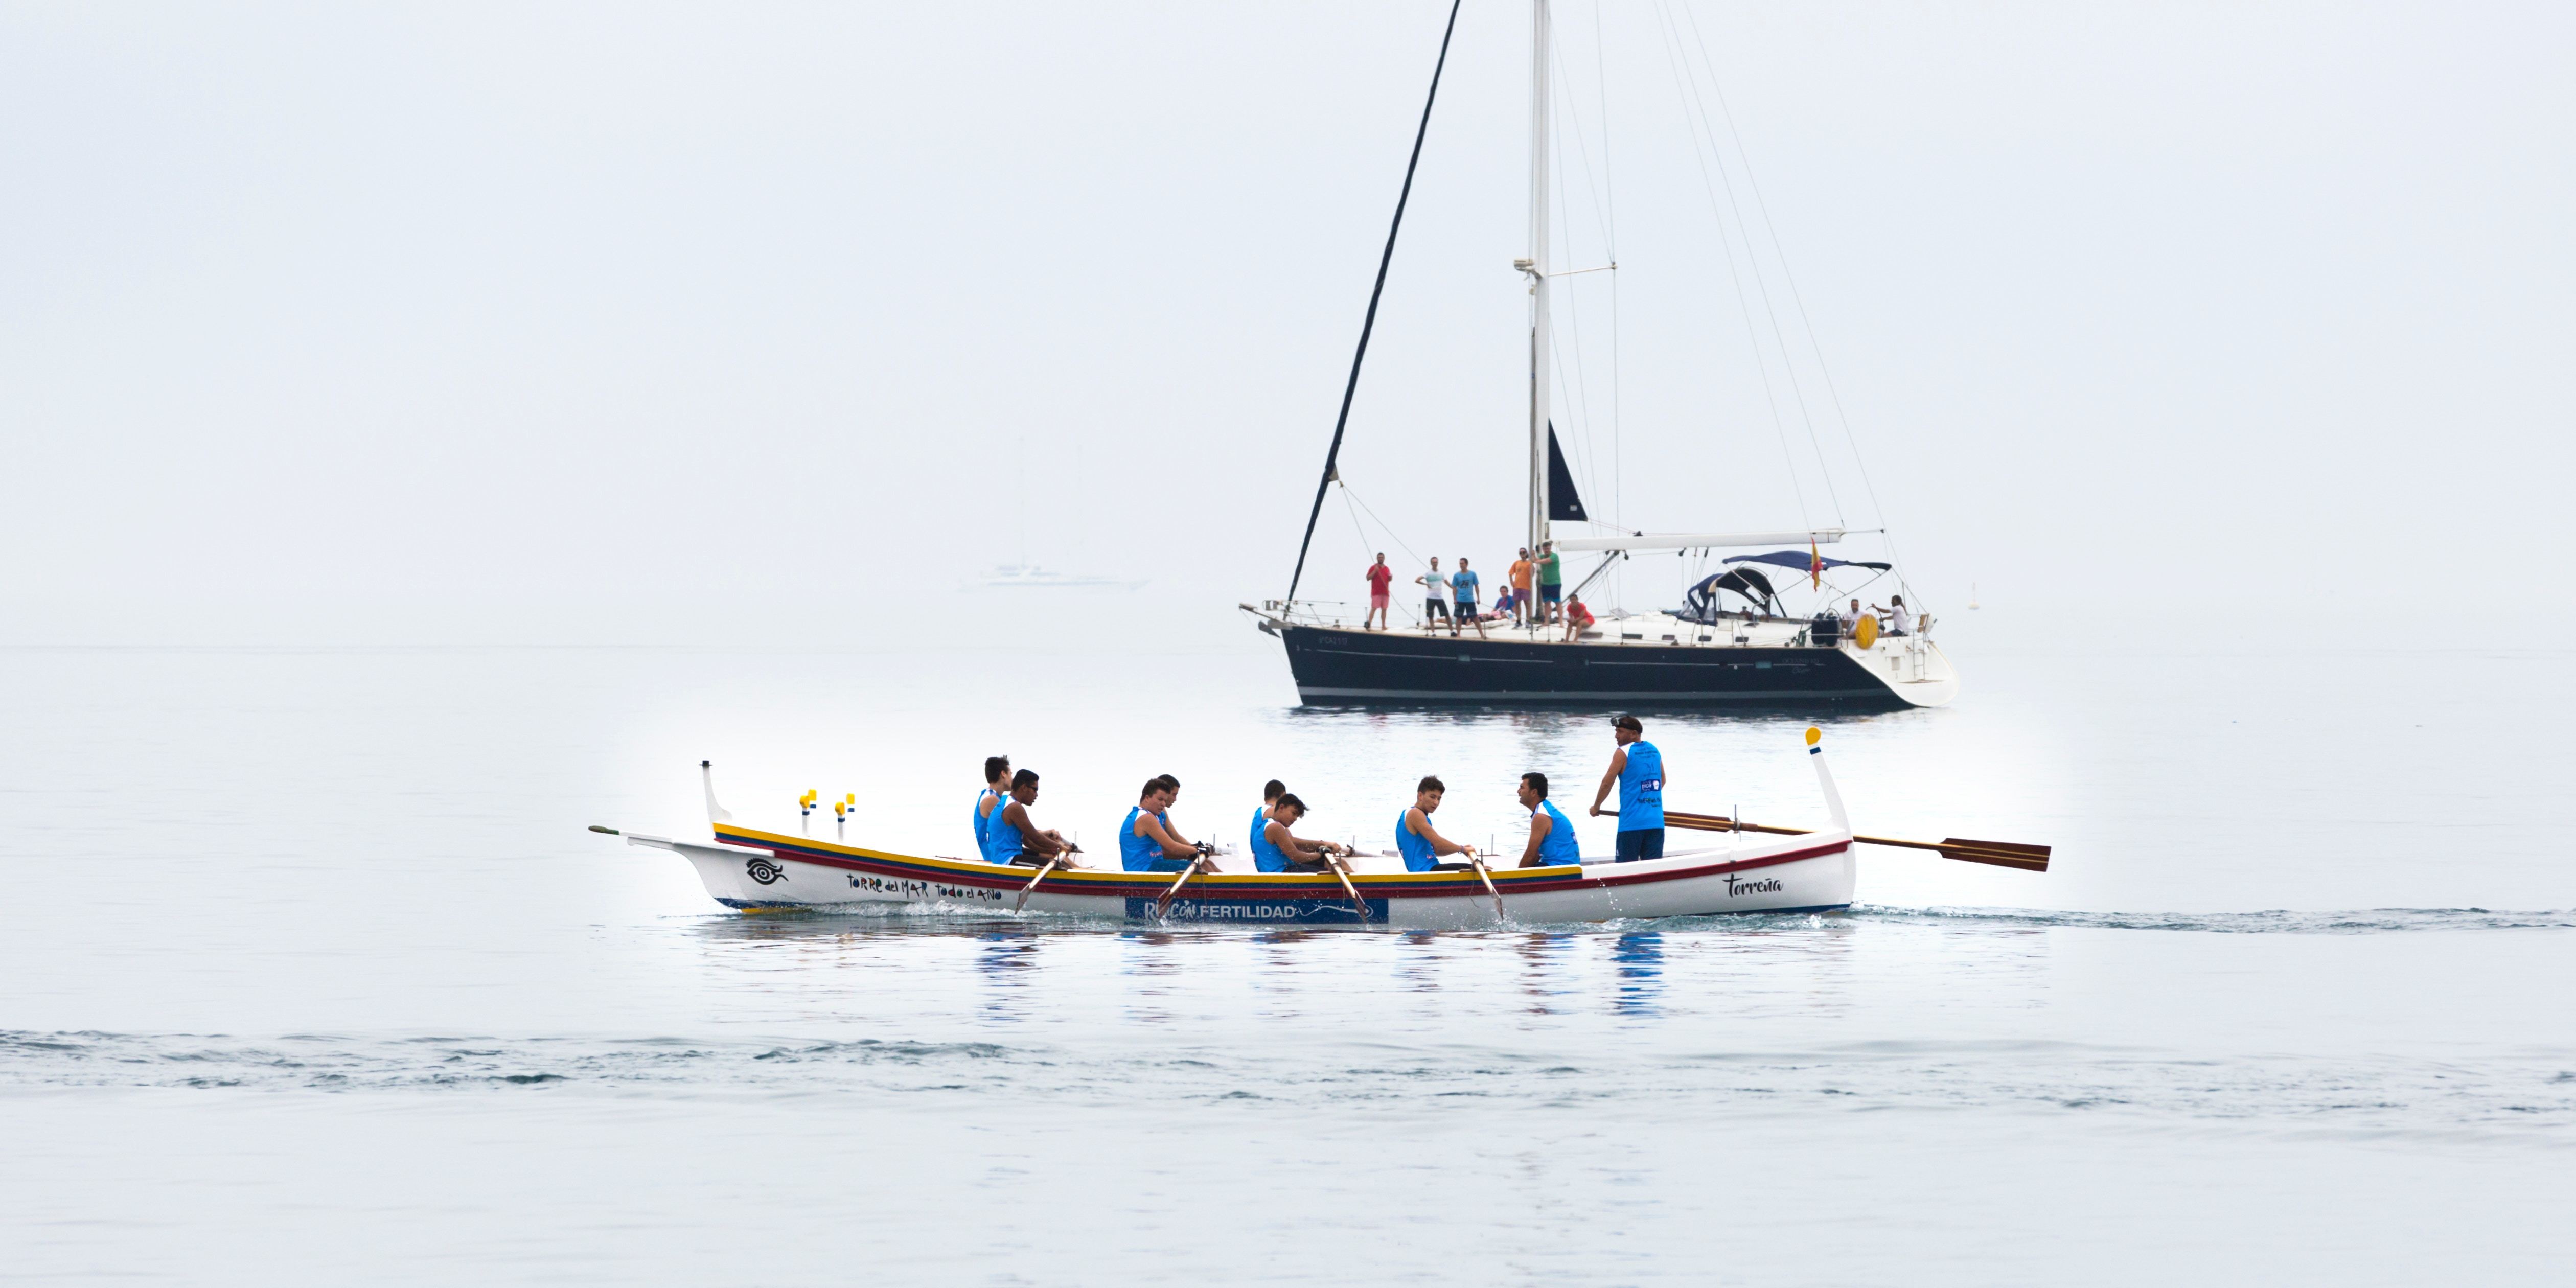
(1899, 621)
(1435, 597)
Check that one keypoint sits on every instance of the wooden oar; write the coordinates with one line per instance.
(1023, 900)
(1164, 903)
(1342, 871)
(1025, 891)
(2002, 854)
(1487, 877)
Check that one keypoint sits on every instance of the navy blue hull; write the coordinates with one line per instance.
(1335, 667)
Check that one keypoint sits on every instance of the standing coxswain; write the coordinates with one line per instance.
(1415, 839)
(1551, 841)
(1637, 770)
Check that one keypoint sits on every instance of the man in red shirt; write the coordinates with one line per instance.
(1379, 578)
(1576, 618)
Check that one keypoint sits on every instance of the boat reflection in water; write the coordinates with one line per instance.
(1641, 971)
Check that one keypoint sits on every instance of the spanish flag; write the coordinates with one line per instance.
(1815, 565)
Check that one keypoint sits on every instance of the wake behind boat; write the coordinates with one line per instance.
(1765, 870)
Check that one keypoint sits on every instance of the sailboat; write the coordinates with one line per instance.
(1749, 648)
(1025, 575)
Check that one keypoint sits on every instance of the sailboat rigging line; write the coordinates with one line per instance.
(1591, 182)
(1383, 525)
(1796, 299)
(1369, 323)
(1610, 239)
(1351, 503)
(1743, 303)
(1752, 258)
(1582, 402)
(1582, 399)
(1807, 321)
(1353, 498)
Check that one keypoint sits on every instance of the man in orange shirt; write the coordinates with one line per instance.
(1522, 570)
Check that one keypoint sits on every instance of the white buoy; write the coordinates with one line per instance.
(1972, 596)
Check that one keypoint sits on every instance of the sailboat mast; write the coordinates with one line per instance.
(1536, 267)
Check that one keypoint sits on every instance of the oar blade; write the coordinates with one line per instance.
(2002, 854)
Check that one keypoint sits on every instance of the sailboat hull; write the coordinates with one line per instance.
(1335, 666)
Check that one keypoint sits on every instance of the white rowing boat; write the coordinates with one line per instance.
(753, 870)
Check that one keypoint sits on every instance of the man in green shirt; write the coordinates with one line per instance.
(1551, 581)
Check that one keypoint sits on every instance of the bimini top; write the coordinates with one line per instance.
(1799, 560)
(1752, 585)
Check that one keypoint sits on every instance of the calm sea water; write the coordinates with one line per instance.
(310, 973)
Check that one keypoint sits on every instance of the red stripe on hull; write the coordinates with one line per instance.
(1152, 885)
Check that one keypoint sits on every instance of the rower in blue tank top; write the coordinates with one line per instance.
(1146, 842)
(1551, 842)
(1002, 840)
(1015, 836)
(997, 783)
(1270, 793)
(1637, 770)
(1421, 845)
(1267, 857)
(1290, 852)
(990, 799)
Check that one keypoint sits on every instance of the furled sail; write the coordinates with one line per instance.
(1562, 503)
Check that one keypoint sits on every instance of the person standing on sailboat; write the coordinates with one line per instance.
(1016, 838)
(1466, 584)
(997, 785)
(1637, 770)
(1380, 577)
(1415, 839)
(1551, 580)
(1435, 601)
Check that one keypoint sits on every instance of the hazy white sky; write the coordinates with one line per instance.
(639, 323)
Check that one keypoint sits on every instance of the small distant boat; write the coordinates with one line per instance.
(754, 870)
(1032, 577)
